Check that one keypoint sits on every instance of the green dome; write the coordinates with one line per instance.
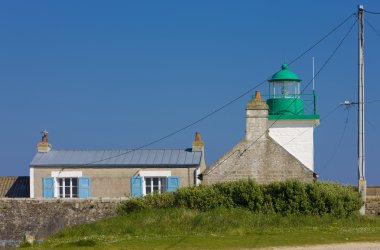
(284, 75)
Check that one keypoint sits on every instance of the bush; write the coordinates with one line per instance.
(165, 200)
(285, 198)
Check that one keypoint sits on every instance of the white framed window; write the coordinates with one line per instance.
(155, 185)
(154, 181)
(64, 186)
(67, 187)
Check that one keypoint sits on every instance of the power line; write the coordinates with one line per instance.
(323, 38)
(183, 128)
(324, 118)
(339, 143)
(230, 102)
(373, 101)
(372, 27)
(372, 12)
(318, 72)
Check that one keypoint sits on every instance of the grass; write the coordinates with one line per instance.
(216, 229)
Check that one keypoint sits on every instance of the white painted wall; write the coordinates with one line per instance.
(297, 137)
(31, 182)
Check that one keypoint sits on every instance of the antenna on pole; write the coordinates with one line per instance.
(361, 143)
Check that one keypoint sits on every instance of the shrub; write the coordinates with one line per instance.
(285, 198)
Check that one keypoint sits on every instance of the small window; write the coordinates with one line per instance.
(67, 187)
(155, 185)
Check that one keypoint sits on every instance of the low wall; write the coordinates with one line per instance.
(373, 191)
(42, 217)
(373, 205)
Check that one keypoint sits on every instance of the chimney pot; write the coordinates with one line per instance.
(258, 95)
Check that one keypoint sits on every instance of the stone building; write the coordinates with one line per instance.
(113, 173)
(278, 143)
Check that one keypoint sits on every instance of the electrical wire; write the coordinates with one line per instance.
(230, 102)
(308, 84)
(339, 143)
(371, 12)
(371, 125)
(373, 101)
(324, 118)
(323, 38)
(372, 27)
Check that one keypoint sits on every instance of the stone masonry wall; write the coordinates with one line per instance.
(265, 161)
(42, 217)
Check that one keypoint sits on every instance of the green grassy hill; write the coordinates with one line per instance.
(220, 228)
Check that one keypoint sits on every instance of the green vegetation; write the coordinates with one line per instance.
(285, 198)
(220, 228)
(229, 215)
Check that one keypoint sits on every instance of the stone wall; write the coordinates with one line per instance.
(373, 190)
(373, 205)
(264, 161)
(42, 217)
(373, 200)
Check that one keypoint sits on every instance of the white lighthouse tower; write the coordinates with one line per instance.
(292, 116)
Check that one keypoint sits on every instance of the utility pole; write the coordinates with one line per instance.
(361, 142)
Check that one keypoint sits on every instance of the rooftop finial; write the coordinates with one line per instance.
(44, 145)
(44, 136)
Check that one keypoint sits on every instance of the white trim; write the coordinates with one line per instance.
(66, 173)
(197, 172)
(63, 174)
(155, 173)
(31, 182)
(144, 174)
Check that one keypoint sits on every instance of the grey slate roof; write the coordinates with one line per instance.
(140, 157)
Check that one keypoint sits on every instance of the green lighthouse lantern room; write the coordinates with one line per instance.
(285, 100)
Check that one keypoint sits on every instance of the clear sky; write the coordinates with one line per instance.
(120, 74)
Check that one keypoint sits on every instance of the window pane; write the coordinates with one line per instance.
(147, 181)
(60, 181)
(155, 181)
(74, 182)
(67, 181)
(67, 191)
(148, 190)
(60, 192)
(75, 192)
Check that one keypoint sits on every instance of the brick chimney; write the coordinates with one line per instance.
(199, 146)
(44, 146)
(256, 119)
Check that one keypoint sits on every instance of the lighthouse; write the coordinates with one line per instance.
(292, 116)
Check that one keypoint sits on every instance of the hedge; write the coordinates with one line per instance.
(285, 198)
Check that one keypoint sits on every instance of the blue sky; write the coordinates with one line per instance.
(120, 74)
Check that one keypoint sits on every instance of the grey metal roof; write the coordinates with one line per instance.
(140, 157)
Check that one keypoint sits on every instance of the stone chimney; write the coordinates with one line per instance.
(199, 146)
(44, 146)
(256, 119)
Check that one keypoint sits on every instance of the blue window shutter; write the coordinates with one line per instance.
(48, 187)
(173, 183)
(84, 187)
(136, 186)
